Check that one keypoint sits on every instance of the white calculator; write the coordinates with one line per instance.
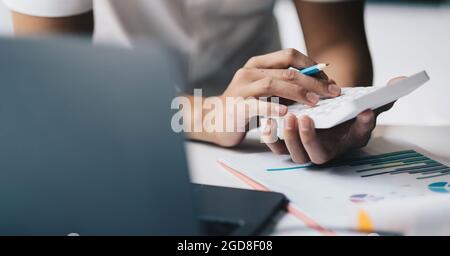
(353, 100)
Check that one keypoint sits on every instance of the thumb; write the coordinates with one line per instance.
(385, 108)
(396, 80)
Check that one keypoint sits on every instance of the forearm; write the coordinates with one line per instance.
(26, 25)
(350, 66)
(335, 33)
(194, 114)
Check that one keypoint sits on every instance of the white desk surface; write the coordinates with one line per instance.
(435, 141)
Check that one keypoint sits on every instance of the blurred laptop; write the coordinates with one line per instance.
(87, 148)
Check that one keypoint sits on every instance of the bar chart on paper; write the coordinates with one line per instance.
(409, 161)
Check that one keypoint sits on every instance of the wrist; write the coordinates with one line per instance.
(199, 111)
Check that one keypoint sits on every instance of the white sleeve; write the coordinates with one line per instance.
(49, 8)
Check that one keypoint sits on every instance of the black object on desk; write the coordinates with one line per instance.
(87, 148)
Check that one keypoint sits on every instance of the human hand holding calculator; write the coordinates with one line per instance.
(331, 112)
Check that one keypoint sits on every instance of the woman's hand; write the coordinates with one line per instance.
(306, 144)
(268, 76)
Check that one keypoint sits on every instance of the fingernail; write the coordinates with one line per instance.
(287, 123)
(268, 127)
(305, 124)
(334, 89)
(312, 97)
(281, 109)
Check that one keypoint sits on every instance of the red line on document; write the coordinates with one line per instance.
(291, 209)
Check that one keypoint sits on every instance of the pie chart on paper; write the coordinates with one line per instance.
(440, 187)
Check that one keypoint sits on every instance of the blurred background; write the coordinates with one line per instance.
(405, 37)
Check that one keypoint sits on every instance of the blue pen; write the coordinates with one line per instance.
(312, 70)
